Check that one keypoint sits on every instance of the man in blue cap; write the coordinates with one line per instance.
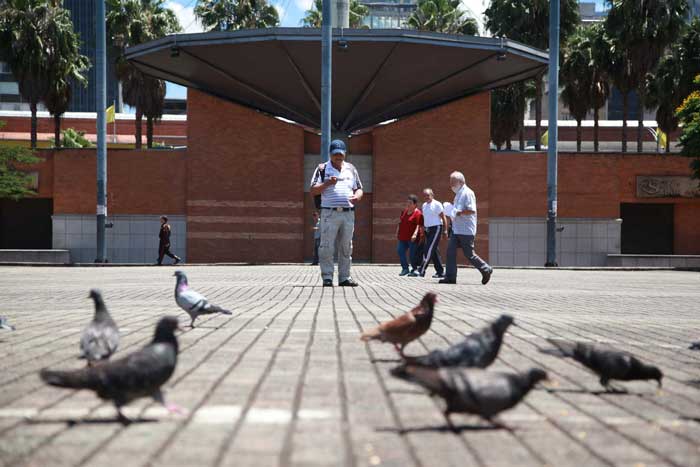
(340, 187)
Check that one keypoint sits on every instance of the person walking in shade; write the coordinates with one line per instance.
(164, 242)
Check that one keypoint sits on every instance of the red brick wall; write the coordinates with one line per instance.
(245, 198)
(138, 182)
(421, 151)
(89, 125)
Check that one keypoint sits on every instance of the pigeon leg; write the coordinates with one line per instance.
(123, 419)
(499, 423)
(192, 322)
(172, 408)
(448, 421)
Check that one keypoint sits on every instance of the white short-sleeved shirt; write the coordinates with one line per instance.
(465, 200)
(431, 213)
(338, 195)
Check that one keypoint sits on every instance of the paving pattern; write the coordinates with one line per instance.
(286, 381)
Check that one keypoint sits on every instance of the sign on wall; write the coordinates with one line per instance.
(667, 187)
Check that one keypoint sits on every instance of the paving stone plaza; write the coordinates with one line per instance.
(286, 381)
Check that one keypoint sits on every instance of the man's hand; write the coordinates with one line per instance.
(357, 196)
(414, 237)
(330, 181)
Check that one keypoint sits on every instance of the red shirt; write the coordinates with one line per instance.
(408, 224)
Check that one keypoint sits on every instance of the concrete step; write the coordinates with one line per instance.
(35, 256)
(674, 261)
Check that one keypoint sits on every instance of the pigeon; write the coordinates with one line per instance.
(193, 302)
(5, 325)
(478, 349)
(472, 390)
(609, 364)
(406, 328)
(101, 338)
(695, 346)
(139, 374)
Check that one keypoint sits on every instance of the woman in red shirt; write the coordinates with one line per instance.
(408, 233)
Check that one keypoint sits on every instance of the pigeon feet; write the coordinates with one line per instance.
(174, 408)
(123, 419)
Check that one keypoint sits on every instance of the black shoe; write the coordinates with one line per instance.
(314, 264)
(438, 276)
(486, 276)
(327, 283)
(348, 283)
(177, 260)
(447, 281)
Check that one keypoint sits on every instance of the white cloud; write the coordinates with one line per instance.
(304, 5)
(185, 14)
(280, 10)
(476, 9)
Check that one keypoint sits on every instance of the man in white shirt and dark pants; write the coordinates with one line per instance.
(463, 231)
(339, 185)
(435, 226)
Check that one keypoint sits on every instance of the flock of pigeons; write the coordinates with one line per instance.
(457, 374)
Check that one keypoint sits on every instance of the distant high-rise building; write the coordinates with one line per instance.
(388, 14)
(84, 98)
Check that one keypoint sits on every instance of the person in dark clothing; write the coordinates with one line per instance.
(164, 246)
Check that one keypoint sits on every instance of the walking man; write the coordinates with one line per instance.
(164, 242)
(340, 187)
(463, 231)
(435, 226)
(317, 236)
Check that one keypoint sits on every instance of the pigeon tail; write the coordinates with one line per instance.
(371, 334)
(695, 346)
(426, 377)
(217, 309)
(562, 348)
(79, 379)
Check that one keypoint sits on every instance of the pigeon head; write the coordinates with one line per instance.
(502, 324)
(534, 376)
(181, 277)
(650, 372)
(429, 301)
(5, 325)
(165, 329)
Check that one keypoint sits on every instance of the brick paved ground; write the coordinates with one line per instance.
(285, 381)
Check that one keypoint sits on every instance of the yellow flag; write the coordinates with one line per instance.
(110, 113)
(661, 136)
(544, 139)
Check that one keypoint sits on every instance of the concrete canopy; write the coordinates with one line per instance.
(378, 75)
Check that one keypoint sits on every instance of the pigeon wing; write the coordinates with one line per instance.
(191, 300)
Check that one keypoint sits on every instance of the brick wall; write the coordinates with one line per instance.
(88, 125)
(244, 180)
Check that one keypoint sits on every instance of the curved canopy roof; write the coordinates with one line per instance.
(377, 74)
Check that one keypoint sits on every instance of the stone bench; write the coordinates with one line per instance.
(674, 261)
(35, 256)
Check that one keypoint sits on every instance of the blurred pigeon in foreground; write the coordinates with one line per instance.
(101, 338)
(695, 346)
(472, 390)
(609, 364)
(478, 349)
(406, 328)
(5, 325)
(140, 374)
(193, 302)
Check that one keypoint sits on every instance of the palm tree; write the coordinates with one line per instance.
(600, 84)
(507, 108)
(23, 35)
(444, 16)
(231, 15)
(132, 22)
(313, 17)
(153, 104)
(65, 65)
(642, 31)
(577, 78)
(527, 21)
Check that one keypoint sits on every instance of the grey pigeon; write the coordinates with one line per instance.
(609, 364)
(193, 302)
(472, 390)
(140, 374)
(695, 346)
(5, 325)
(478, 349)
(100, 338)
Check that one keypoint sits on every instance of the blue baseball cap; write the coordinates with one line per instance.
(337, 147)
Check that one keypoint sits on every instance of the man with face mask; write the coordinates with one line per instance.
(463, 231)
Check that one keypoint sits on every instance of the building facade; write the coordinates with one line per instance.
(388, 14)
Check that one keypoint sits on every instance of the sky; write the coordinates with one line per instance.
(290, 12)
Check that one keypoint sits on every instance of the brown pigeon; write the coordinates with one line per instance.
(406, 328)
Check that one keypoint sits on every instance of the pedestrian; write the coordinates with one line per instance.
(435, 226)
(463, 231)
(407, 232)
(339, 185)
(164, 242)
(317, 236)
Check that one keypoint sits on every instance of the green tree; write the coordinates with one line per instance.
(132, 22)
(23, 41)
(507, 108)
(231, 15)
(662, 94)
(689, 115)
(446, 16)
(600, 81)
(640, 32)
(313, 17)
(527, 21)
(65, 66)
(14, 183)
